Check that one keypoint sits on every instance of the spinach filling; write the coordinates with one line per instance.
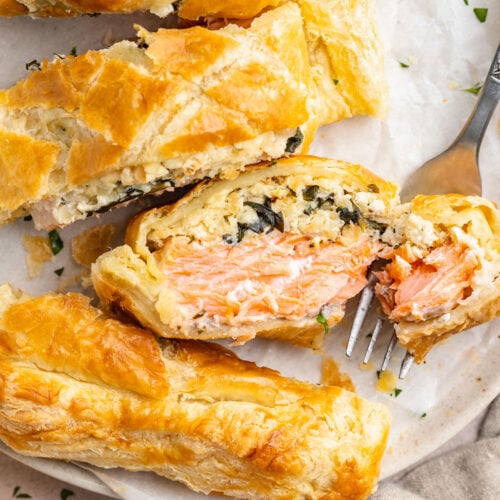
(126, 193)
(267, 220)
(327, 202)
(294, 142)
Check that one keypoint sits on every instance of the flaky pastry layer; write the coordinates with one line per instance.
(76, 384)
(69, 8)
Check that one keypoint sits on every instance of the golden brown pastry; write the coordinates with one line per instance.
(345, 51)
(68, 8)
(275, 252)
(279, 250)
(84, 133)
(78, 385)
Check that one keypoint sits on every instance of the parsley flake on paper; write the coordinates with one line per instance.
(33, 65)
(481, 14)
(65, 493)
(396, 392)
(16, 493)
(475, 89)
(56, 243)
(59, 271)
(404, 65)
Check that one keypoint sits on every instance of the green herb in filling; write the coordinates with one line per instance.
(267, 216)
(349, 216)
(310, 193)
(268, 219)
(294, 142)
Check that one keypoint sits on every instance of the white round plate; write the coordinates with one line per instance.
(444, 49)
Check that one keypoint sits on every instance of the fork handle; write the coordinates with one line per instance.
(473, 131)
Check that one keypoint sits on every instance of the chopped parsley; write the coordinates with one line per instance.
(65, 493)
(59, 271)
(396, 392)
(423, 415)
(73, 51)
(379, 372)
(33, 65)
(475, 89)
(466, 2)
(404, 65)
(16, 493)
(481, 14)
(322, 320)
(335, 82)
(56, 243)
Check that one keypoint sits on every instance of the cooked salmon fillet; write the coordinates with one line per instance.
(428, 287)
(283, 275)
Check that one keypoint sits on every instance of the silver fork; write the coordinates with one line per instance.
(456, 170)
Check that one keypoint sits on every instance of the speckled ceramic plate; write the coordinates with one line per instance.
(444, 49)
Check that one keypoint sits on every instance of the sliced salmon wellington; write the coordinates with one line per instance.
(428, 287)
(276, 275)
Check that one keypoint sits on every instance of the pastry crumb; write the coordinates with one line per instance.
(86, 247)
(38, 253)
(331, 375)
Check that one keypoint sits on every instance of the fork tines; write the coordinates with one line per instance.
(364, 305)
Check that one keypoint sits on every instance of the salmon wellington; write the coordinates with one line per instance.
(279, 250)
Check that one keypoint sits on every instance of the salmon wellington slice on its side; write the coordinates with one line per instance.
(278, 251)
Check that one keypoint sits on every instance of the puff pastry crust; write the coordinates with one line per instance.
(78, 385)
(345, 52)
(69, 8)
(279, 250)
(86, 132)
(220, 264)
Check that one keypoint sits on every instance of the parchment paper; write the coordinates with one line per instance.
(446, 49)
